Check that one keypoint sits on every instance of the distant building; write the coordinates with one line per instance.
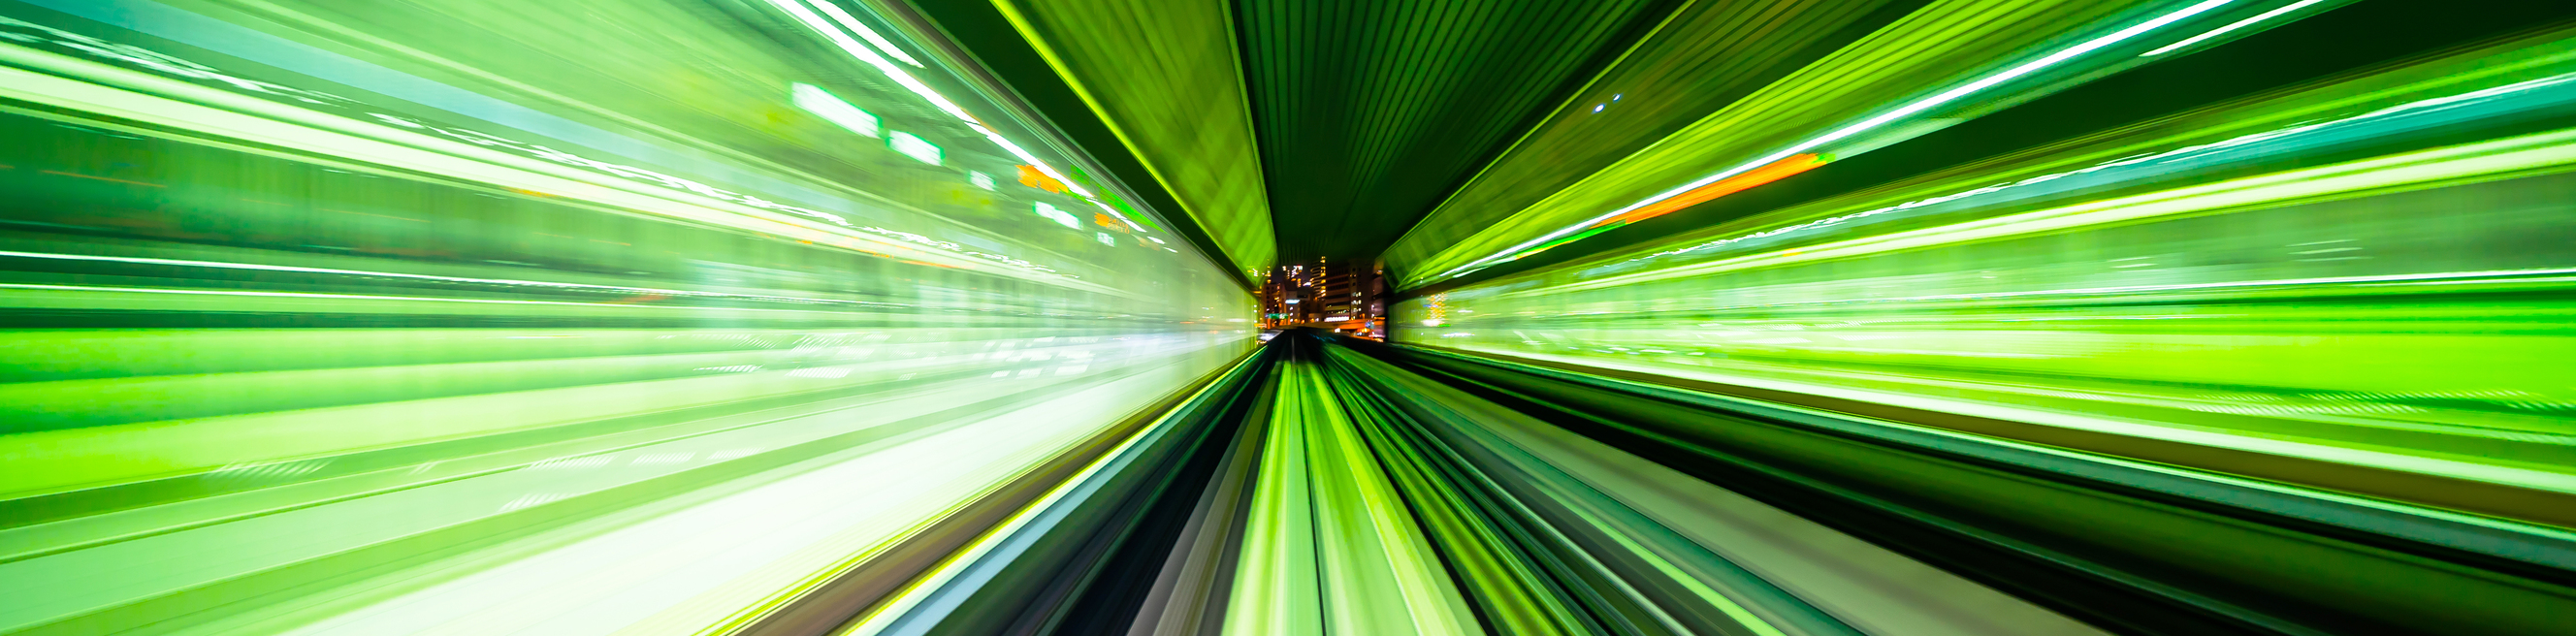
(1325, 294)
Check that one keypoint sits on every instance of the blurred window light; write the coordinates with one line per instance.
(1113, 212)
(298, 124)
(980, 180)
(1104, 239)
(1031, 176)
(823, 104)
(872, 58)
(164, 63)
(1059, 216)
(913, 146)
(2232, 26)
(896, 73)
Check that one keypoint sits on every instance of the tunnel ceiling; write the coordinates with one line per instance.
(1370, 113)
(1345, 124)
(1444, 138)
(1366, 115)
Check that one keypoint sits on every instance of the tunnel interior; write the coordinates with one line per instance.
(1264, 317)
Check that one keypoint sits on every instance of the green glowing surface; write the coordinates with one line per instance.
(2400, 306)
(338, 302)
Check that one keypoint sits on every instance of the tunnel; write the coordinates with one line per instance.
(1288, 317)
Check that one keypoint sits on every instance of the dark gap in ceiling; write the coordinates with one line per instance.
(1369, 113)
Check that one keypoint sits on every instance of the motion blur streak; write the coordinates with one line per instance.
(2398, 306)
(321, 321)
(1287, 317)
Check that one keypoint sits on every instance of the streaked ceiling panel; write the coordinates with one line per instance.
(1934, 47)
(1710, 54)
(1370, 113)
(1162, 75)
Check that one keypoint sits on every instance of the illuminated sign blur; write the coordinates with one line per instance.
(914, 147)
(1056, 215)
(823, 104)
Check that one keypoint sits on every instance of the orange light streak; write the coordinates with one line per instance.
(1775, 171)
(84, 176)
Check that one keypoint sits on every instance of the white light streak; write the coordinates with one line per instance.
(453, 279)
(909, 82)
(1059, 216)
(913, 146)
(2239, 24)
(852, 23)
(1882, 119)
(823, 104)
(348, 297)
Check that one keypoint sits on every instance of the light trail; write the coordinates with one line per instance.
(1900, 112)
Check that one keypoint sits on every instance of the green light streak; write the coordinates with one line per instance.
(2232, 26)
(1901, 112)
